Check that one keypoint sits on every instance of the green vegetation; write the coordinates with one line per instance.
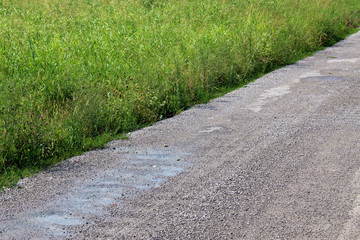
(77, 73)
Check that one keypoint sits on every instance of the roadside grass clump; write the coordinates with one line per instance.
(77, 73)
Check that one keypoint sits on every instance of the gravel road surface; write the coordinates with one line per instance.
(278, 159)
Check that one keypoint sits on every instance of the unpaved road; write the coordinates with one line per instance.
(278, 159)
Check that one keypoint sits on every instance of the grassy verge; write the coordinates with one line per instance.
(77, 73)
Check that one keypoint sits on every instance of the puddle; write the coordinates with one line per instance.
(137, 170)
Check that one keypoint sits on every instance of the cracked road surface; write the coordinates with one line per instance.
(277, 159)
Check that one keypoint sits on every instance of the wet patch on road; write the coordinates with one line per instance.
(325, 78)
(345, 60)
(137, 170)
(210, 129)
(269, 96)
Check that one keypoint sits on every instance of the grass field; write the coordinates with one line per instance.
(77, 73)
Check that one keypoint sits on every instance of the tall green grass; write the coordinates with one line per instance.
(76, 73)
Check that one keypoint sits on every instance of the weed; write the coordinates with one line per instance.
(74, 73)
